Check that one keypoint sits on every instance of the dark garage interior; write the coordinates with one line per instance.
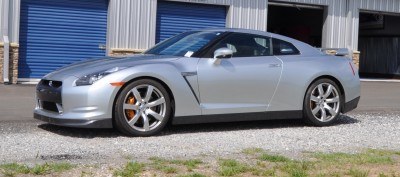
(304, 24)
(379, 45)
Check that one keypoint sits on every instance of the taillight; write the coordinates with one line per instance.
(352, 69)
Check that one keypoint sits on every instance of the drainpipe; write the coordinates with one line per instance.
(6, 60)
(6, 43)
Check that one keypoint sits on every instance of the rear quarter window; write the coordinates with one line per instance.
(281, 47)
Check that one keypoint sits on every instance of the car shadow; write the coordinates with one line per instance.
(80, 132)
(249, 125)
(191, 128)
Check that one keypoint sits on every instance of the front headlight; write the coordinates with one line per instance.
(92, 78)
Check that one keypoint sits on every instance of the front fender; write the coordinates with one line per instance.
(185, 101)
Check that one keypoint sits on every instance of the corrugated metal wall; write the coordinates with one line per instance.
(392, 6)
(13, 25)
(190, 16)
(2, 10)
(132, 24)
(126, 29)
(60, 32)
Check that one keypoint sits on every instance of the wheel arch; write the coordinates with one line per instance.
(140, 78)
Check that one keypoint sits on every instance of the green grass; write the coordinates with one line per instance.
(13, 169)
(230, 167)
(168, 169)
(273, 158)
(368, 157)
(252, 151)
(190, 164)
(297, 168)
(193, 175)
(130, 169)
(165, 165)
(357, 173)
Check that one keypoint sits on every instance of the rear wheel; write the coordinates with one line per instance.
(322, 103)
(142, 108)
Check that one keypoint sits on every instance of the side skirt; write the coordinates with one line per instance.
(237, 117)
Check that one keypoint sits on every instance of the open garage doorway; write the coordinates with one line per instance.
(379, 45)
(301, 22)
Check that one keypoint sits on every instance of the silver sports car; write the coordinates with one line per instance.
(215, 75)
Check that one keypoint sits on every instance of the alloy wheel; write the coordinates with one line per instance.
(325, 102)
(144, 108)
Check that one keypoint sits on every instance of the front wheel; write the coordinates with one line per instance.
(142, 109)
(322, 103)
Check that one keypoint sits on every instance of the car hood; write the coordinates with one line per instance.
(90, 66)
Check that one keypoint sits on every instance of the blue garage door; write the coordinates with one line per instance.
(176, 17)
(54, 33)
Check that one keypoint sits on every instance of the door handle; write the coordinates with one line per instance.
(274, 65)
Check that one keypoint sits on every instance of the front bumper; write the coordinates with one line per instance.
(72, 106)
(79, 123)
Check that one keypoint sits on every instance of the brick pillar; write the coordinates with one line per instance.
(356, 58)
(13, 67)
(13, 63)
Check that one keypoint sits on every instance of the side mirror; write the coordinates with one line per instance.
(222, 53)
(342, 52)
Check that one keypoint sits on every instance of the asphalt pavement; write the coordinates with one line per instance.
(18, 101)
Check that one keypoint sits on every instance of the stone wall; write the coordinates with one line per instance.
(13, 63)
(356, 58)
(121, 52)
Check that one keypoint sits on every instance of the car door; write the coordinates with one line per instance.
(244, 83)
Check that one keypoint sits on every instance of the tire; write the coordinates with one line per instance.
(142, 108)
(322, 103)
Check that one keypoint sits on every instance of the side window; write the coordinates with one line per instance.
(283, 48)
(246, 45)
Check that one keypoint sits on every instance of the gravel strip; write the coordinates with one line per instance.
(33, 141)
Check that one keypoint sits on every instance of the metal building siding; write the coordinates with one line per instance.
(378, 5)
(55, 33)
(311, 2)
(248, 15)
(336, 24)
(132, 24)
(176, 17)
(2, 7)
(13, 21)
(391, 6)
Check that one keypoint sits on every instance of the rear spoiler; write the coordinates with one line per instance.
(343, 52)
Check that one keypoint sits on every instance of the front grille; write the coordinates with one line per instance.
(49, 106)
(49, 91)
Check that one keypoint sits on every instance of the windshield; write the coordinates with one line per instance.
(184, 44)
